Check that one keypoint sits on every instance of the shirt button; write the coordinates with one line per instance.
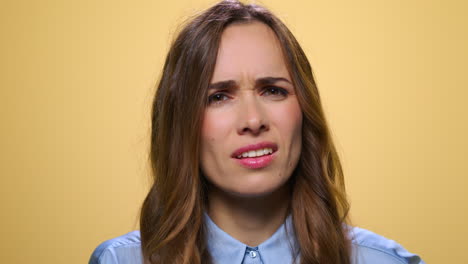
(253, 254)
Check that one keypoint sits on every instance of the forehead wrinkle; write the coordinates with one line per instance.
(259, 82)
(242, 60)
(247, 81)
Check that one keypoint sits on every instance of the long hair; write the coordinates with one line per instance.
(171, 222)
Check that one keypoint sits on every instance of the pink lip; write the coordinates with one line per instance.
(260, 145)
(257, 162)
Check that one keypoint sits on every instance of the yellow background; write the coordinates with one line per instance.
(77, 79)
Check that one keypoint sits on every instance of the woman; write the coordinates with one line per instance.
(245, 170)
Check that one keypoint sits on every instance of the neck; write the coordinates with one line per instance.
(251, 220)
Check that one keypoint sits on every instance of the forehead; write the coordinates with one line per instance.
(249, 51)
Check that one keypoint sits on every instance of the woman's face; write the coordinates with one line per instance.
(251, 133)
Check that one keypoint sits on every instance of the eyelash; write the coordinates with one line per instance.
(212, 100)
(283, 91)
(267, 91)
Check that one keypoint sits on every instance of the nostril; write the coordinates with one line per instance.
(253, 126)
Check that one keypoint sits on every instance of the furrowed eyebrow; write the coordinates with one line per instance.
(229, 84)
(270, 80)
(223, 85)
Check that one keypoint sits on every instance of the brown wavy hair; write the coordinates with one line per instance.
(171, 221)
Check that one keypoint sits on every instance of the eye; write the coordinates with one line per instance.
(217, 98)
(275, 92)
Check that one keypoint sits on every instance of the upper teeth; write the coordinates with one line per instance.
(255, 153)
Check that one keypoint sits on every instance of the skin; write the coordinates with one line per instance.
(250, 204)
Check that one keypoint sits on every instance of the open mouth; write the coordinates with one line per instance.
(255, 153)
(256, 157)
(262, 149)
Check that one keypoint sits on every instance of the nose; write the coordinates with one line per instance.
(253, 118)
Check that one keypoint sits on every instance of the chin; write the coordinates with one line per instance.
(254, 189)
(251, 193)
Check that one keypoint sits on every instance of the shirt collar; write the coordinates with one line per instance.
(279, 248)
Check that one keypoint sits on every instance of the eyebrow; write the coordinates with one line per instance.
(229, 84)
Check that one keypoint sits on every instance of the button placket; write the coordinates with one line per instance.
(252, 256)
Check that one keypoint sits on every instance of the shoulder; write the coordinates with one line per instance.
(369, 247)
(122, 249)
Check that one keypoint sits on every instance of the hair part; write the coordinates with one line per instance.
(171, 221)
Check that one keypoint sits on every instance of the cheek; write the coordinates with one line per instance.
(291, 129)
(296, 120)
(289, 121)
(215, 129)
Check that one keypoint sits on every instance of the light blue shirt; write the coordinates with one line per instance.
(367, 248)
